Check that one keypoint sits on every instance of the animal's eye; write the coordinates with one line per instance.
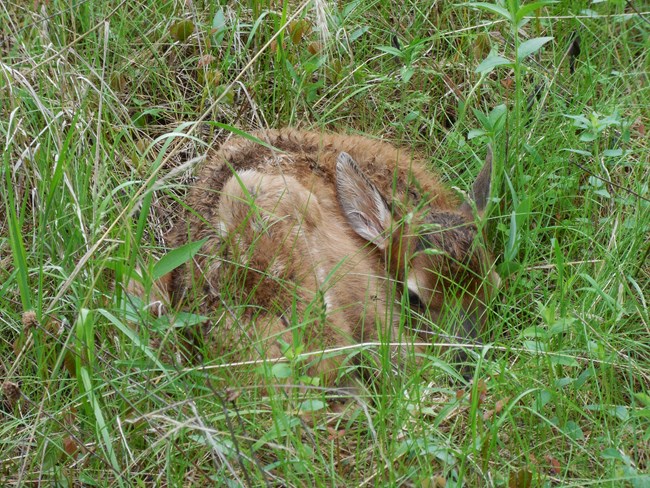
(414, 300)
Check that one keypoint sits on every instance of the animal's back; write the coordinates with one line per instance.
(310, 158)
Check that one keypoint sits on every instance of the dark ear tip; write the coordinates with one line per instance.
(346, 163)
(480, 193)
(343, 159)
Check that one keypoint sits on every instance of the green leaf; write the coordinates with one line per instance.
(219, 20)
(390, 50)
(620, 412)
(535, 346)
(491, 62)
(577, 151)
(485, 121)
(309, 380)
(432, 251)
(311, 406)
(102, 428)
(475, 133)
(356, 33)
(612, 153)
(561, 326)
(218, 26)
(644, 413)
(281, 370)
(16, 239)
(523, 211)
(582, 378)
(173, 259)
(283, 426)
(564, 361)
(185, 319)
(222, 444)
(579, 121)
(497, 116)
(490, 7)
(531, 46)
(611, 453)
(406, 72)
(574, 431)
(588, 136)
(543, 398)
(411, 116)
(512, 246)
(534, 332)
(142, 119)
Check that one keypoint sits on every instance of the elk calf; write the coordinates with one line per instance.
(328, 219)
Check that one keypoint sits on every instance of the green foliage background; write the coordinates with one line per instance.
(105, 107)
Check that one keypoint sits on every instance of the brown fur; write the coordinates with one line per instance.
(280, 240)
(276, 253)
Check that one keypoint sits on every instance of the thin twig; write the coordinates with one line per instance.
(609, 182)
(640, 14)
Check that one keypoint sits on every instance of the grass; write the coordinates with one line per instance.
(100, 100)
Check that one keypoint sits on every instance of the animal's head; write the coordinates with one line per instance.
(435, 253)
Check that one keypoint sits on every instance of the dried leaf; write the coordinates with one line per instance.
(18, 345)
(498, 407)
(334, 434)
(70, 446)
(298, 29)
(639, 127)
(314, 47)
(435, 482)
(181, 30)
(11, 391)
(70, 364)
(481, 391)
(118, 82)
(205, 60)
(232, 395)
(29, 320)
(554, 464)
(508, 82)
(520, 479)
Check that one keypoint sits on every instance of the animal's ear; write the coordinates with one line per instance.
(480, 193)
(362, 204)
